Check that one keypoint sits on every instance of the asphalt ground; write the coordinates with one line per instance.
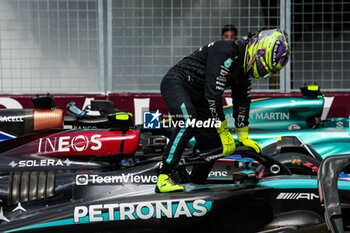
(321, 228)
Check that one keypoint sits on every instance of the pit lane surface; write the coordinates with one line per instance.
(322, 228)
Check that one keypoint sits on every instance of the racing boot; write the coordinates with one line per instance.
(165, 184)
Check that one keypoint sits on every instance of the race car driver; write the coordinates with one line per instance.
(192, 91)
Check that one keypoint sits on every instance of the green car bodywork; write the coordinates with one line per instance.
(330, 138)
(281, 113)
(302, 117)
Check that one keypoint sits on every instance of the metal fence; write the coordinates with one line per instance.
(49, 46)
(320, 42)
(151, 36)
(70, 46)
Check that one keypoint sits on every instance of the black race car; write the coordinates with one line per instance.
(125, 200)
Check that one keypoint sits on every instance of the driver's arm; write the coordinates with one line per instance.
(218, 67)
(217, 75)
(241, 99)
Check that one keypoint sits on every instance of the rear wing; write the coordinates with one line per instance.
(311, 91)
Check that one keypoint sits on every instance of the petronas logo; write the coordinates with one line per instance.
(228, 63)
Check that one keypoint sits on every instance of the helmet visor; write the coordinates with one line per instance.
(262, 68)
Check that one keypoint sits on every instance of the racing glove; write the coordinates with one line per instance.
(242, 134)
(228, 143)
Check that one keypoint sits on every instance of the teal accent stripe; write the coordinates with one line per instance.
(179, 135)
(246, 171)
(62, 222)
(299, 184)
(213, 186)
(70, 221)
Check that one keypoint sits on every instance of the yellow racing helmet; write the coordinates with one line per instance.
(266, 53)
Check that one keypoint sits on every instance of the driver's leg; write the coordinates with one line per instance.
(177, 97)
(206, 139)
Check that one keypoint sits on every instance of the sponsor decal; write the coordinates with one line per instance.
(297, 196)
(296, 161)
(151, 120)
(221, 79)
(228, 63)
(2, 217)
(10, 103)
(269, 116)
(5, 136)
(82, 179)
(209, 45)
(340, 125)
(85, 179)
(11, 119)
(212, 108)
(78, 143)
(275, 52)
(294, 127)
(217, 173)
(241, 116)
(19, 208)
(266, 116)
(220, 84)
(311, 165)
(213, 157)
(223, 73)
(83, 127)
(41, 163)
(142, 210)
(327, 105)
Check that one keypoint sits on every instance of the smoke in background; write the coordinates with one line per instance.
(48, 46)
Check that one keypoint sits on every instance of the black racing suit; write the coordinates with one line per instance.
(193, 89)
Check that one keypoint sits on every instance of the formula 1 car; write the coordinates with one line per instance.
(302, 150)
(304, 153)
(32, 162)
(303, 117)
(290, 113)
(125, 200)
(294, 131)
(269, 119)
(280, 114)
(46, 115)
